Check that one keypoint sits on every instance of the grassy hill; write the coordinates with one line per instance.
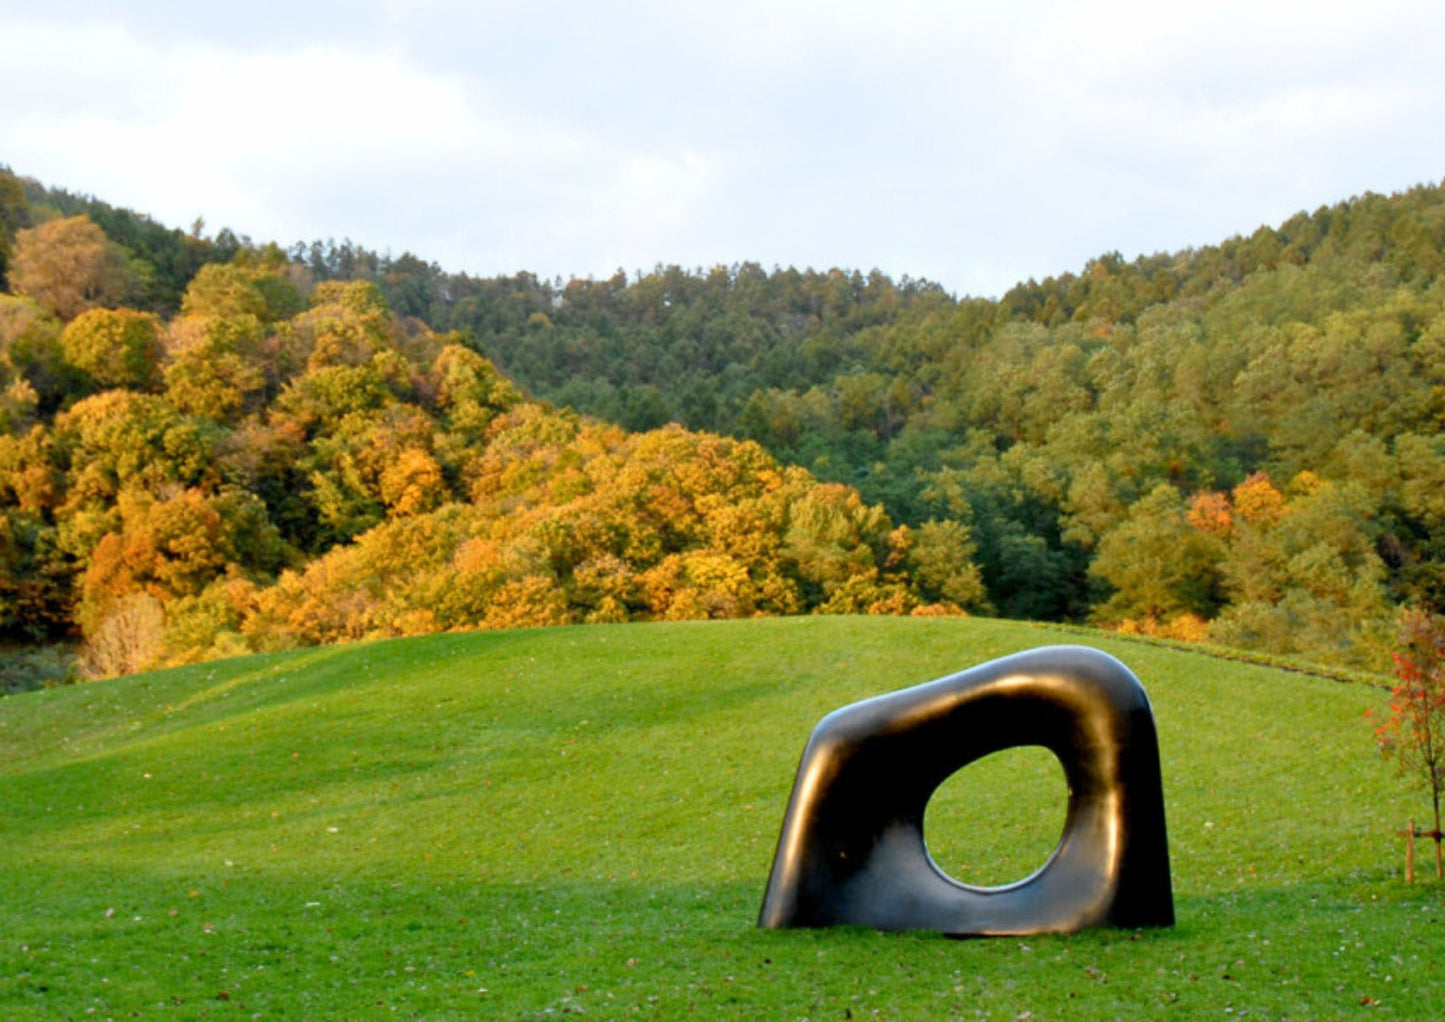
(532, 823)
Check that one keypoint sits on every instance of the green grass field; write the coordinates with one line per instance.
(538, 823)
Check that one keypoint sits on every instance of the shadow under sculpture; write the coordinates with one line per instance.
(852, 851)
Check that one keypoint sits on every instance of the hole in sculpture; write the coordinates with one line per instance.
(998, 819)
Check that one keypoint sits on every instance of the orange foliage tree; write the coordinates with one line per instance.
(256, 475)
(68, 266)
(1413, 733)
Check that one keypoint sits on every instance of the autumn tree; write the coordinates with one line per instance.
(1413, 733)
(1090, 446)
(1302, 572)
(1420, 461)
(372, 464)
(30, 351)
(347, 324)
(123, 439)
(1159, 568)
(68, 266)
(207, 626)
(831, 539)
(224, 291)
(114, 348)
(216, 364)
(941, 564)
(127, 640)
(176, 547)
(469, 392)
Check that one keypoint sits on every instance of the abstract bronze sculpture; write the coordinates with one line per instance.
(852, 849)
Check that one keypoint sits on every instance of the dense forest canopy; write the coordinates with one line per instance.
(1239, 442)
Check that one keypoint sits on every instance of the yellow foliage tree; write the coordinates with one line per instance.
(115, 347)
(532, 602)
(68, 266)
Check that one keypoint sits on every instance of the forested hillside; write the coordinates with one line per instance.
(286, 463)
(1239, 442)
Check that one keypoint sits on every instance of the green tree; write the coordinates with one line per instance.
(14, 215)
(1157, 565)
(35, 591)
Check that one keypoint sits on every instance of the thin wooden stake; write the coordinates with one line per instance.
(1439, 863)
(1410, 852)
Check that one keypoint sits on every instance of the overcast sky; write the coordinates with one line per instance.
(974, 144)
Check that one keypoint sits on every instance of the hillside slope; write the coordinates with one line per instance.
(1082, 428)
(533, 822)
(1240, 441)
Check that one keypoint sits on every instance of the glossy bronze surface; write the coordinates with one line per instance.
(852, 848)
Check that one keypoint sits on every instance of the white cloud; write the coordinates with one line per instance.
(260, 140)
(973, 143)
(631, 221)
